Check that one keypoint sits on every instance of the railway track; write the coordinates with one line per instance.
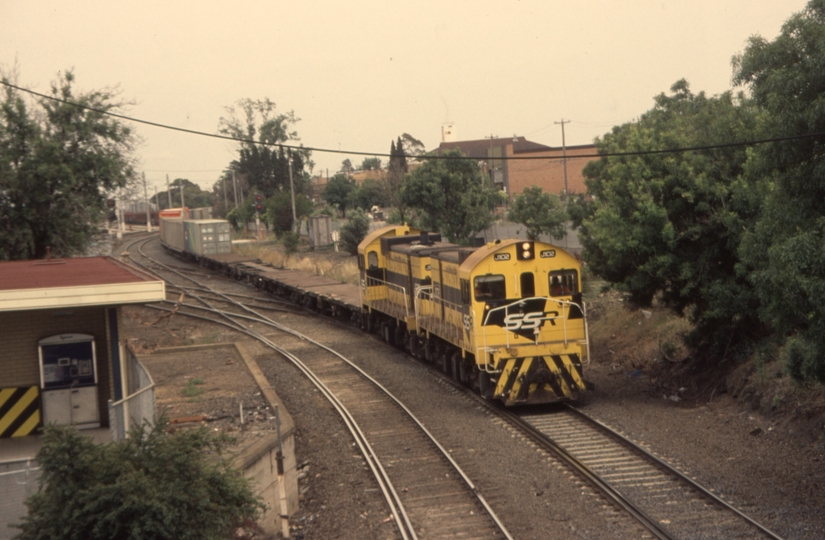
(668, 503)
(428, 494)
(663, 500)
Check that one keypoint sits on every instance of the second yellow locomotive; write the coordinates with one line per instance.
(506, 318)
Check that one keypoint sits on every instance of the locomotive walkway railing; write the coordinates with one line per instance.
(443, 318)
(388, 298)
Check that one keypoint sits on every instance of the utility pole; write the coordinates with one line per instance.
(146, 201)
(489, 162)
(225, 201)
(235, 184)
(292, 188)
(168, 192)
(120, 227)
(564, 154)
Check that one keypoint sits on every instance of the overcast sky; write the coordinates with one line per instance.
(360, 73)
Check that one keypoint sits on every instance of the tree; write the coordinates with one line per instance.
(786, 248)
(241, 215)
(354, 231)
(339, 192)
(150, 485)
(371, 192)
(371, 164)
(57, 166)
(223, 195)
(396, 172)
(262, 162)
(410, 146)
(279, 211)
(668, 225)
(451, 196)
(540, 212)
(346, 166)
(193, 195)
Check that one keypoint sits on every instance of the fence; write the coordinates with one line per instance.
(136, 408)
(18, 480)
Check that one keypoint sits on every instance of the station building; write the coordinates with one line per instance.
(62, 354)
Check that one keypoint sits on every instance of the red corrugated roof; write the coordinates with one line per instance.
(45, 274)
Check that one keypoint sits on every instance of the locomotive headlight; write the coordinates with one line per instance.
(525, 251)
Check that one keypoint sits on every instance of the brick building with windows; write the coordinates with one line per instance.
(545, 168)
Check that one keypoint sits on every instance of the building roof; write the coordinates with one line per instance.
(86, 281)
(479, 148)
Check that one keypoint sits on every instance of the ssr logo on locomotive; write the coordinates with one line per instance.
(522, 317)
(527, 321)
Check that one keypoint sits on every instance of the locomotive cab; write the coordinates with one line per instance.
(528, 332)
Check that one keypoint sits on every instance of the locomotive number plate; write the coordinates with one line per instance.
(548, 253)
(501, 257)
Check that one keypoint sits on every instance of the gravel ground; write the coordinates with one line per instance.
(757, 464)
(771, 468)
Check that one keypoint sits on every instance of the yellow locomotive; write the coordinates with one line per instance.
(506, 318)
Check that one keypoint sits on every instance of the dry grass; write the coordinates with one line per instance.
(633, 339)
(338, 266)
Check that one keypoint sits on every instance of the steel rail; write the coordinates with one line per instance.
(388, 491)
(670, 469)
(263, 319)
(594, 479)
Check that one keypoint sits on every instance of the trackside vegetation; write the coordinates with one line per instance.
(732, 236)
(151, 485)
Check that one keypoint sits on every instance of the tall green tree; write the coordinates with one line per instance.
(539, 212)
(371, 164)
(355, 230)
(397, 169)
(371, 192)
(58, 163)
(193, 195)
(259, 129)
(786, 248)
(279, 211)
(668, 225)
(150, 485)
(451, 196)
(410, 146)
(339, 192)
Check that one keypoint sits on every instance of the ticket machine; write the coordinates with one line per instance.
(68, 380)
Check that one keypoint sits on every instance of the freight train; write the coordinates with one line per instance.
(506, 319)
(194, 237)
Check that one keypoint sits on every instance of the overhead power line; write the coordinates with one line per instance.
(426, 156)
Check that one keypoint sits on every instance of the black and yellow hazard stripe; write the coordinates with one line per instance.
(19, 411)
(556, 376)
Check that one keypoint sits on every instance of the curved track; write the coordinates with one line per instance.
(667, 502)
(427, 492)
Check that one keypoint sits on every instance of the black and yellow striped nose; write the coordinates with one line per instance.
(523, 379)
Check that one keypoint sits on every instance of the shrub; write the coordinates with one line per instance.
(354, 231)
(150, 485)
